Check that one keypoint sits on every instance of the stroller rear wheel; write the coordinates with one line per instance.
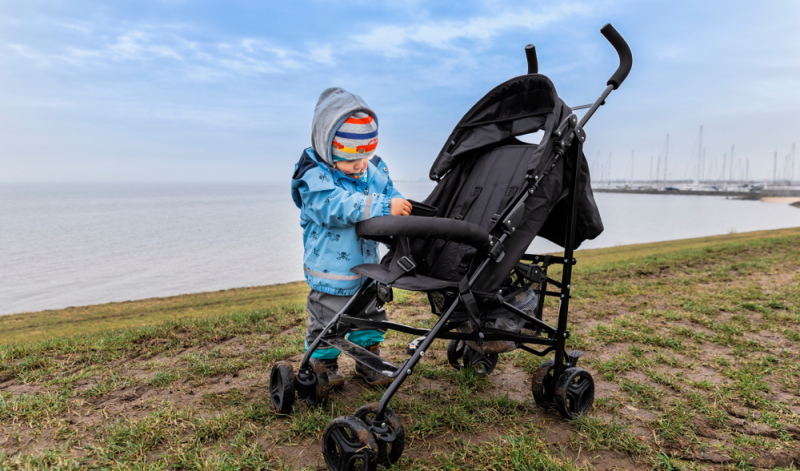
(455, 352)
(574, 392)
(282, 388)
(391, 437)
(460, 355)
(348, 445)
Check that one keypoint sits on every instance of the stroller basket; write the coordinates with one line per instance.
(465, 247)
(501, 319)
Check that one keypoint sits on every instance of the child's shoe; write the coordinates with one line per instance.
(372, 377)
(330, 366)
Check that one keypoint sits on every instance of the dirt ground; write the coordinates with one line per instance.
(127, 390)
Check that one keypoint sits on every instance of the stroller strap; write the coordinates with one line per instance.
(467, 203)
(402, 262)
(472, 307)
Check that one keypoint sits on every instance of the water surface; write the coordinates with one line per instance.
(68, 245)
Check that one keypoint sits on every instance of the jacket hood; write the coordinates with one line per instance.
(333, 107)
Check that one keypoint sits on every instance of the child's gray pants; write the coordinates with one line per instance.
(322, 307)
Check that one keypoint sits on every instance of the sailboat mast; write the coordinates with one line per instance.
(775, 168)
(700, 155)
(666, 154)
(724, 159)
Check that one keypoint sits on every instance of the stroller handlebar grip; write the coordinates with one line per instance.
(533, 62)
(624, 53)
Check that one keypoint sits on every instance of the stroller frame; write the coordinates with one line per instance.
(558, 383)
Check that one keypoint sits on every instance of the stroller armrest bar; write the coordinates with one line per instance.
(424, 228)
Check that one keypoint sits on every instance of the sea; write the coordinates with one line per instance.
(67, 245)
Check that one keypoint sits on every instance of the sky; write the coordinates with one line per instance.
(202, 90)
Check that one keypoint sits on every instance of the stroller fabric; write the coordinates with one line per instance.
(482, 171)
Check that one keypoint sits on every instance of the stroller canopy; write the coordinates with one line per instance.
(519, 106)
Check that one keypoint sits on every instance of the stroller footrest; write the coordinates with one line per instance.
(363, 356)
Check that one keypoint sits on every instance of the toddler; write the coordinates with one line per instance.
(338, 182)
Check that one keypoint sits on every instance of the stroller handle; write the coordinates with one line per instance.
(533, 62)
(624, 53)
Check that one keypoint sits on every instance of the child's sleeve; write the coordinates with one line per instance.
(391, 191)
(337, 207)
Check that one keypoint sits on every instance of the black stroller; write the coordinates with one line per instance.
(465, 247)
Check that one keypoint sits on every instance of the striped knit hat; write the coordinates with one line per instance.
(356, 138)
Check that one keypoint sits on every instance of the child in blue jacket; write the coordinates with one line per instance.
(338, 182)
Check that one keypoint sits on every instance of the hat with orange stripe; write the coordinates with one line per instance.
(356, 138)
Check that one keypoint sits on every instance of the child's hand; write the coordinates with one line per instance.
(400, 207)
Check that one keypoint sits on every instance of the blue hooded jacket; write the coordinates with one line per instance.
(331, 203)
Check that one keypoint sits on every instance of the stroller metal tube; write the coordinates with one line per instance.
(595, 105)
(566, 276)
(406, 367)
(625, 64)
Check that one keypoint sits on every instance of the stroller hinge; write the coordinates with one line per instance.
(532, 272)
(496, 250)
(385, 293)
(565, 132)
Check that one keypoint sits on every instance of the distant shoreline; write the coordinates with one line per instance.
(775, 196)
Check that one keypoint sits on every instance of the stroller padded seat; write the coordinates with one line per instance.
(416, 282)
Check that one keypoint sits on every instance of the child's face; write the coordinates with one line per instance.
(350, 167)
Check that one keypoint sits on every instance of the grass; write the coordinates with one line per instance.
(693, 346)
(45, 325)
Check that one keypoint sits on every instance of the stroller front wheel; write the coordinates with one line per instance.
(574, 393)
(391, 436)
(348, 445)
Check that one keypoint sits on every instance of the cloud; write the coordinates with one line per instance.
(398, 40)
(29, 53)
(174, 45)
(139, 45)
